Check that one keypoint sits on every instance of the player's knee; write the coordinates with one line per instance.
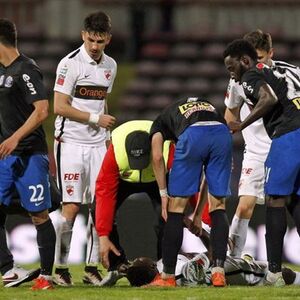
(275, 201)
(39, 218)
(244, 211)
(70, 210)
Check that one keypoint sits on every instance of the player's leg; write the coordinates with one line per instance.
(6, 258)
(276, 225)
(12, 275)
(93, 157)
(217, 171)
(71, 182)
(158, 224)
(284, 159)
(239, 225)
(33, 188)
(251, 192)
(172, 240)
(46, 244)
(184, 181)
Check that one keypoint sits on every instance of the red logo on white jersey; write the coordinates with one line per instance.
(107, 74)
(260, 66)
(247, 171)
(71, 176)
(60, 80)
(70, 189)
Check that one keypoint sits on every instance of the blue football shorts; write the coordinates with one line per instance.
(282, 166)
(30, 176)
(203, 147)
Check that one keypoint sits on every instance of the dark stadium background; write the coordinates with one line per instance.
(165, 49)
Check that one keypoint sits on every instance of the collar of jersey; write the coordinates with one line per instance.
(88, 58)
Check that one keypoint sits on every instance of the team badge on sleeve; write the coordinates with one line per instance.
(62, 75)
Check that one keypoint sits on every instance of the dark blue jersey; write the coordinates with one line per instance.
(20, 86)
(284, 80)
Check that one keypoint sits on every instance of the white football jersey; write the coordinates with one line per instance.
(87, 83)
(257, 141)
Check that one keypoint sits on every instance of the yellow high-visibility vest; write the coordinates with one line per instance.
(118, 140)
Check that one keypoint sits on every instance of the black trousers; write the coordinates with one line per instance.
(125, 189)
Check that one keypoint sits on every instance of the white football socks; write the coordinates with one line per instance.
(92, 251)
(64, 232)
(238, 235)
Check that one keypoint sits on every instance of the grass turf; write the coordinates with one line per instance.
(123, 291)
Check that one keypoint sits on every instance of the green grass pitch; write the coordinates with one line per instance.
(123, 291)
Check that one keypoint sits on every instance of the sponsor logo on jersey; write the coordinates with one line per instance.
(1, 79)
(29, 84)
(90, 92)
(247, 87)
(8, 82)
(71, 176)
(70, 189)
(187, 109)
(63, 70)
(107, 74)
(247, 171)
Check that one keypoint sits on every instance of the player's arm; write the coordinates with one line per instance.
(231, 114)
(39, 114)
(158, 164)
(267, 99)
(106, 197)
(63, 107)
(108, 136)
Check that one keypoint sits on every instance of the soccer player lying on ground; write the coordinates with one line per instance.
(195, 269)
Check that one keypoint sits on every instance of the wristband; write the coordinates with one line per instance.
(94, 118)
(163, 192)
(107, 135)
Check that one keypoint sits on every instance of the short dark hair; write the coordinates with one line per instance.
(259, 39)
(98, 22)
(238, 48)
(8, 33)
(142, 271)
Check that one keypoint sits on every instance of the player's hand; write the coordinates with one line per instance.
(8, 146)
(164, 207)
(234, 126)
(105, 247)
(197, 226)
(194, 226)
(106, 121)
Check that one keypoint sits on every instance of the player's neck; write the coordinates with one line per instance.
(8, 56)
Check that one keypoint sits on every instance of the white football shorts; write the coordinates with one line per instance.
(77, 168)
(252, 179)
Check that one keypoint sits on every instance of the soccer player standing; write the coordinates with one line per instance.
(202, 141)
(84, 78)
(257, 143)
(275, 94)
(23, 149)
